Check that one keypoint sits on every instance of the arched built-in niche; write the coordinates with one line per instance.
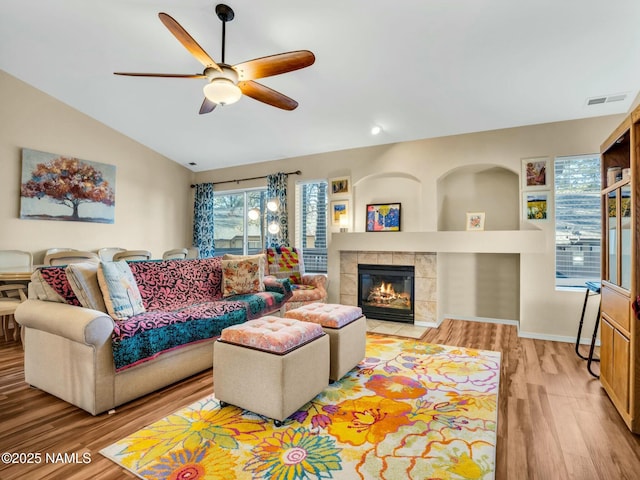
(479, 284)
(479, 188)
(389, 187)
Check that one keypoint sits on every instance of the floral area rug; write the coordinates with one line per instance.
(409, 410)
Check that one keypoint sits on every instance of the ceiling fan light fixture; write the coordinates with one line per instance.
(222, 91)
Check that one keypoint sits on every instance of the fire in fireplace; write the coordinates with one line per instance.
(386, 292)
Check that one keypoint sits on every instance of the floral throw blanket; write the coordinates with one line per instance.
(184, 305)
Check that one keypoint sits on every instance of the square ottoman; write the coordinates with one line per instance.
(347, 330)
(271, 366)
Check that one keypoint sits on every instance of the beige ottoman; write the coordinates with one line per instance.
(347, 330)
(271, 366)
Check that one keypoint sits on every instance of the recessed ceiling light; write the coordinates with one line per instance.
(376, 129)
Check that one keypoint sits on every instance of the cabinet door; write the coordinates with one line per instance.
(614, 362)
(620, 380)
(606, 351)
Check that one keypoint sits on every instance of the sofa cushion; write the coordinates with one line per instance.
(242, 276)
(83, 278)
(286, 262)
(120, 290)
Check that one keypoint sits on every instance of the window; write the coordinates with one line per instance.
(235, 230)
(578, 220)
(311, 224)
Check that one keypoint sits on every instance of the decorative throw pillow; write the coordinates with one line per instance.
(260, 256)
(285, 262)
(83, 278)
(241, 276)
(120, 290)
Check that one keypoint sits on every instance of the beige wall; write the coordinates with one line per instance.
(411, 172)
(154, 201)
(153, 198)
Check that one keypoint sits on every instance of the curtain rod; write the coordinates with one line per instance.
(297, 172)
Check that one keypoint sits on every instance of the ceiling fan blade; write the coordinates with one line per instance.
(259, 92)
(207, 106)
(187, 41)
(167, 75)
(274, 64)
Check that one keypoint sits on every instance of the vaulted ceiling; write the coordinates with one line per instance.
(418, 69)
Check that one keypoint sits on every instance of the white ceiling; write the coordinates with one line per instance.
(417, 68)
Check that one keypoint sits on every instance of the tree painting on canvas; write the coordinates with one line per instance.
(58, 187)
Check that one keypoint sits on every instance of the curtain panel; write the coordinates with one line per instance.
(203, 220)
(277, 190)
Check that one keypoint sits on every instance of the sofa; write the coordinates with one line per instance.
(287, 262)
(79, 347)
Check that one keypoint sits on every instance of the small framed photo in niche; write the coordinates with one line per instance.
(475, 221)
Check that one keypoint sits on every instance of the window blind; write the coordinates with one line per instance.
(577, 219)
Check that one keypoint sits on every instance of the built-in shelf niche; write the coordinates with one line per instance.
(479, 188)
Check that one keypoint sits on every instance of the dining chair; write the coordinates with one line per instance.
(175, 254)
(70, 256)
(106, 254)
(11, 296)
(54, 251)
(132, 255)
(15, 258)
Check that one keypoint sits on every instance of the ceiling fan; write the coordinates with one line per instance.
(227, 83)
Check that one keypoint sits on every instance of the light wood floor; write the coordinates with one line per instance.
(555, 421)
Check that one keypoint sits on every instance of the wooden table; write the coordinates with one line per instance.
(20, 274)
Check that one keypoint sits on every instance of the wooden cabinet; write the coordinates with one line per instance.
(620, 328)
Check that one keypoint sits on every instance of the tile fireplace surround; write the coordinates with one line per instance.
(426, 268)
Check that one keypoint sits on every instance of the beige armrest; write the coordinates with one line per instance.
(75, 323)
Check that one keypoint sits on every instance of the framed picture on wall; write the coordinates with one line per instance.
(339, 212)
(535, 205)
(535, 173)
(65, 188)
(475, 221)
(383, 217)
(340, 186)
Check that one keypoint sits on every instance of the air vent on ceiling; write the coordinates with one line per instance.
(618, 97)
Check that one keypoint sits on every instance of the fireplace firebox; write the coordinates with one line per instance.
(386, 292)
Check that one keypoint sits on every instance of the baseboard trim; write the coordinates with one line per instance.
(522, 334)
(427, 324)
(555, 338)
(500, 321)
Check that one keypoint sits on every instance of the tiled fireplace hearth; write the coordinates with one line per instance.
(425, 279)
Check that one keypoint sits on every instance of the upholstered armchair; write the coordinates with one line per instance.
(286, 262)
